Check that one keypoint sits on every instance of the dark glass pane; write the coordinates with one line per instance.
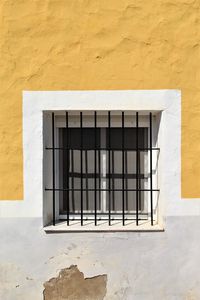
(74, 138)
(129, 138)
(70, 163)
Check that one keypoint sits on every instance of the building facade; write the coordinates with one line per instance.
(99, 176)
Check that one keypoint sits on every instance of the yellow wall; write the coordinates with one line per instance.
(98, 44)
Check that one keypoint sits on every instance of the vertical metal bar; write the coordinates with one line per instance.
(137, 174)
(113, 181)
(67, 145)
(123, 206)
(86, 179)
(99, 163)
(151, 177)
(126, 179)
(53, 170)
(109, 172)
(81, 160)
(95, 169)
(139, 181)
(72, 179)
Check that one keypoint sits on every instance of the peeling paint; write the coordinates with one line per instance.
(71, 285)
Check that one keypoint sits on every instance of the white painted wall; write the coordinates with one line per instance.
(139, 266)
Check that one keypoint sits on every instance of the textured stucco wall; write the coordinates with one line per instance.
(97, 44)
(139, 266)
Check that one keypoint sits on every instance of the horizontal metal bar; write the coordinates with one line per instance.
(114, 176)
(74, 214)
(102, 219)
(102, 148)
(116, 190)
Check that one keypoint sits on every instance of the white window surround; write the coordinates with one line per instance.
(36, 102)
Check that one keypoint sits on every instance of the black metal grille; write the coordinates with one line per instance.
(81, 141)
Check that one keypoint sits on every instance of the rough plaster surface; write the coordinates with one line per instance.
(97, 44)
(71, 285)
(139, 266)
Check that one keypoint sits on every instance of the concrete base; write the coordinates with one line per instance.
(138, 265)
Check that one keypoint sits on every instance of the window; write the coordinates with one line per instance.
(104, 168)
(39, 198)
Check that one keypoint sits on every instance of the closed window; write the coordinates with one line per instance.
(104, 167)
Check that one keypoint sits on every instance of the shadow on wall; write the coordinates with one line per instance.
(71, 285)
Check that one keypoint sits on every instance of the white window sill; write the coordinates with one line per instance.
(102, 226)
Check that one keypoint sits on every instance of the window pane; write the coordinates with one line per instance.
(129, 138)
(88, 138)
(71, 166)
